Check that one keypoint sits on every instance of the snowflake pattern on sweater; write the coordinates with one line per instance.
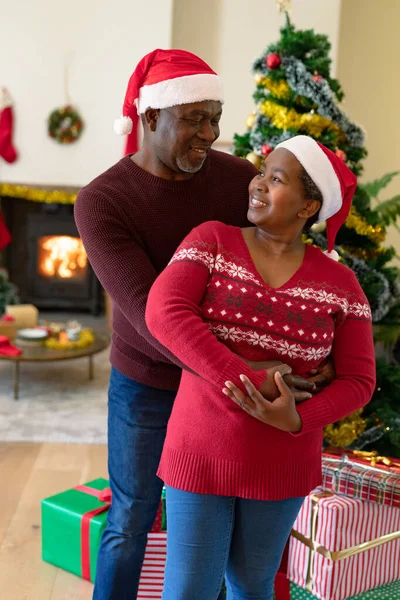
(296, 323)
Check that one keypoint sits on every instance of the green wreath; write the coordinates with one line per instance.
(65, 125)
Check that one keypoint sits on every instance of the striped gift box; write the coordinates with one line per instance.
(341, 547)
(352, 476)
(152, 576)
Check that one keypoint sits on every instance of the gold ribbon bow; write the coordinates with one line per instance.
(374, 458)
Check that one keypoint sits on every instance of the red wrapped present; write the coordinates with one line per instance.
(152, 576)
(364, 475)
(342, 546)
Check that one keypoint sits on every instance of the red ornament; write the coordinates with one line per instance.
(265, 150)
(340, 154)
(317, 78)
(273, 61)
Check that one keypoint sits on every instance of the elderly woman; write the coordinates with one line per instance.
(238, 466)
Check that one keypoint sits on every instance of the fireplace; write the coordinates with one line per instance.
(61, 257)
(46, 258)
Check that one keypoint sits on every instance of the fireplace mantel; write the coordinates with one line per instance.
(49, 194)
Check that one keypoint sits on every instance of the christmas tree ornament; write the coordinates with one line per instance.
(342, 155)
(273, 60)
(319, 227)
(255, 159)
(284, 5)
(316, 77)
(251, 119)
(7, 150)
(258, 78)
(265, 149)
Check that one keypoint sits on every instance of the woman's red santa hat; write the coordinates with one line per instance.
(336, 182)
(162, 79)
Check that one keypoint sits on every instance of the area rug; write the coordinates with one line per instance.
(57, 402)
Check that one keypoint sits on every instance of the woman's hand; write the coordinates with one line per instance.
(281, 413)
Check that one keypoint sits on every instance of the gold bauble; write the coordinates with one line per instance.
(254, 158)
(251, 119)
(319, 227)
(258, 78)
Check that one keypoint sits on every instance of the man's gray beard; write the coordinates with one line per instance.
(185, 166)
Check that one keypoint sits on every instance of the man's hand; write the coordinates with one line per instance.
(323, 375)
(301, 388)
(281, 413)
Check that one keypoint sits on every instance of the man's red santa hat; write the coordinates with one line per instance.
(162, 79)
(336, 182)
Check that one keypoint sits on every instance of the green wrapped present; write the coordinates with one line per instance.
(72, 525)
(164, 510)
(386, 592)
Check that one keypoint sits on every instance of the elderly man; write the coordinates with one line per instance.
(131, 219)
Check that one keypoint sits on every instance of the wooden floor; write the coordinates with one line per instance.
(28, 473)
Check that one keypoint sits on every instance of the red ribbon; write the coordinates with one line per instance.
(104, 496)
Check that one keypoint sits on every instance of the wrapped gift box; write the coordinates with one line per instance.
(152, 577)
(363, 475)
(342, 546)
(387, 592)
(73, 523)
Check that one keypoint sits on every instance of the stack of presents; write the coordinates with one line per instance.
(345, 542)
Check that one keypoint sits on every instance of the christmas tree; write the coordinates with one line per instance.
(295, 94)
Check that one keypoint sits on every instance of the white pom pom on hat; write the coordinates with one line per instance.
(165, 78)
(123, 125)
(336, 182)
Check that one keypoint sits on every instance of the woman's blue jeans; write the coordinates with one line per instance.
(209, 536)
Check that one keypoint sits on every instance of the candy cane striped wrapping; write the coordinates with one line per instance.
(342, 523)
(152, 576)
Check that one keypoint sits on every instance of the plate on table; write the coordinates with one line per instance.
(33, 334)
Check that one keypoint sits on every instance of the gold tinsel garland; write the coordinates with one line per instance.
(365, 253)
(374, 233)
(347, 430)
(87, 338)
(280, 89)
(311, 123)
(36, 195)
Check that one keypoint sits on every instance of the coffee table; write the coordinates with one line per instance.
(44, 354)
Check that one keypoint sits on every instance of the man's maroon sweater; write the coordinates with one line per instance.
(131, 223)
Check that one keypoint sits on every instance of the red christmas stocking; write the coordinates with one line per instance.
(7, 150)
(5, 237)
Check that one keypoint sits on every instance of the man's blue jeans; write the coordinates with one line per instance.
(137, 423)
(210, 535)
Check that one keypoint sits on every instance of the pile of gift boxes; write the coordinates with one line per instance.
(345, 542)
(72, 524)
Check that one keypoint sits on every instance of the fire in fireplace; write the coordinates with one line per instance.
(61, 257)
(46, 259)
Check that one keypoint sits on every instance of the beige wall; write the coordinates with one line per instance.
(230, 34)
(369, 71)
(106, 40)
